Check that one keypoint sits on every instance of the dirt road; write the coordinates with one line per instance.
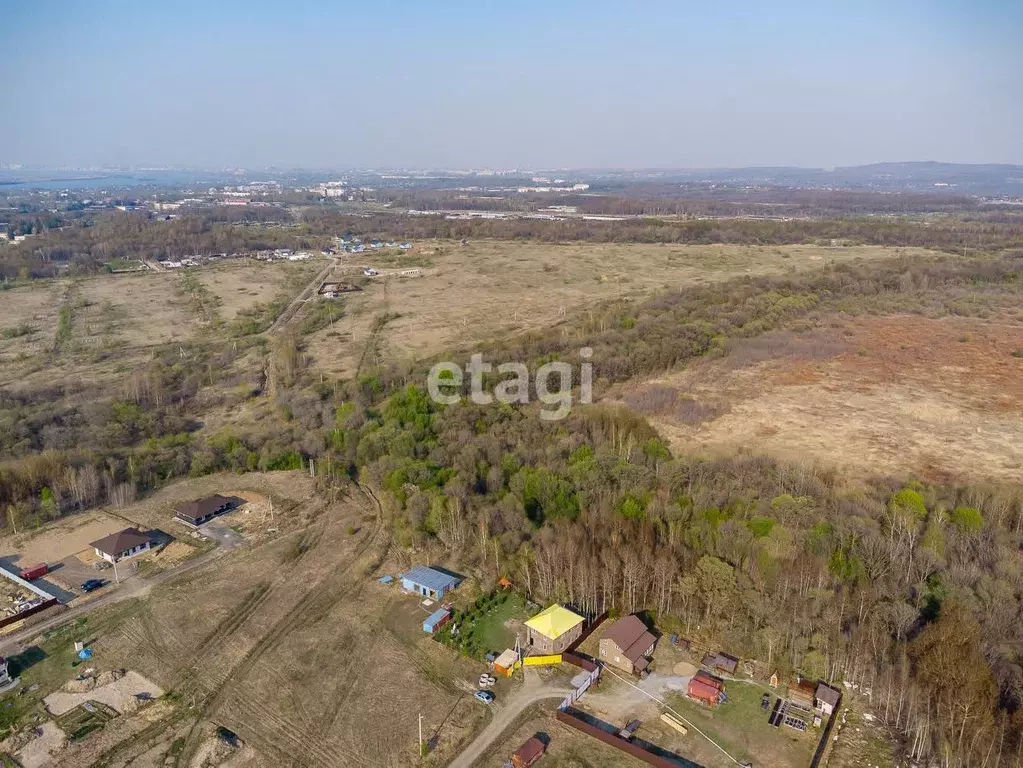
(136, 587)
(292, 309)
(532, 692)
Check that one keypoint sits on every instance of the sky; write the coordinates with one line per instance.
(586, 84)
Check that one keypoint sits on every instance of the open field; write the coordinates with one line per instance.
(241, 284)
(112, 322)
(28, 321)
(941, 398)
(492, 288)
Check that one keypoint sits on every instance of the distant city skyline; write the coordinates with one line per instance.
(532, 86)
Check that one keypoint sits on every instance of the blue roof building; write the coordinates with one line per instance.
(429, 582)
(436, 620)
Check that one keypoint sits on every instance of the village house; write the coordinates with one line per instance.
(553, 630)
(627, 644)
(429, 582)
(195, 513)
(826, 698)
(122, 545)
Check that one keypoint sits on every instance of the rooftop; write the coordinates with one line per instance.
(122, 541)
(431, 578)
(631, 635)
(554, 621)
(202, 507)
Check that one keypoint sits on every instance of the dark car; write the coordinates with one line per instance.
(91, 584)
(765, 702)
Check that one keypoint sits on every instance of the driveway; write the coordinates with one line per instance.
(505, 712)
(221, 534)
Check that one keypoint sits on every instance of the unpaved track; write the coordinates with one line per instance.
(292, 309)
(510, 709)
(288, 741)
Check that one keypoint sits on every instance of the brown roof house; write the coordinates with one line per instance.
(201, 511)
(122, 545)
(627, 644)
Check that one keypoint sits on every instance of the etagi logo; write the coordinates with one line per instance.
(552, 384)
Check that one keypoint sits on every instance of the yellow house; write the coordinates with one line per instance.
(553, 629)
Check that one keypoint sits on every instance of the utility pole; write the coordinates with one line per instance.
(420, 734)
(116, 580)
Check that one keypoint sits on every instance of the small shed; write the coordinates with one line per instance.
(506, 663)
(429, 582)
(706, 689)
(722, 662)
(436, 620)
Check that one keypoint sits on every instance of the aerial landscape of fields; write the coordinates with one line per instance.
(499, 386)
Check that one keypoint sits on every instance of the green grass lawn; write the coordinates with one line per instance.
(742, 729)
(482, 629)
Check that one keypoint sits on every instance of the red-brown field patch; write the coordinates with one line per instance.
(892, 395)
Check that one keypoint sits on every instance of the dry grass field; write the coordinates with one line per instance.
(488, 289)
(941, 398)
(116, 320)
(240, 285)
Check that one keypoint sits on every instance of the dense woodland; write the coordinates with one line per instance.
(913, 591)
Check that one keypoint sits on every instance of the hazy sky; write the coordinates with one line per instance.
(510, 84)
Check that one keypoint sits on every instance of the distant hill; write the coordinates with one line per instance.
(954, 178)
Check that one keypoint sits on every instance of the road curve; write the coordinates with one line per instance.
(512, 709)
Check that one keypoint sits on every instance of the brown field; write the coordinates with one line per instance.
(241, 284)
(36, 306)
(488, 289)
(939, 398)
(135, 309)
(117, 319)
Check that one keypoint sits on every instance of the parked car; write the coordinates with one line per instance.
(485, 696)
(92, 584)
(765, 702)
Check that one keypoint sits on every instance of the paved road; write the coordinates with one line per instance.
(505, 715)
(126, 590)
